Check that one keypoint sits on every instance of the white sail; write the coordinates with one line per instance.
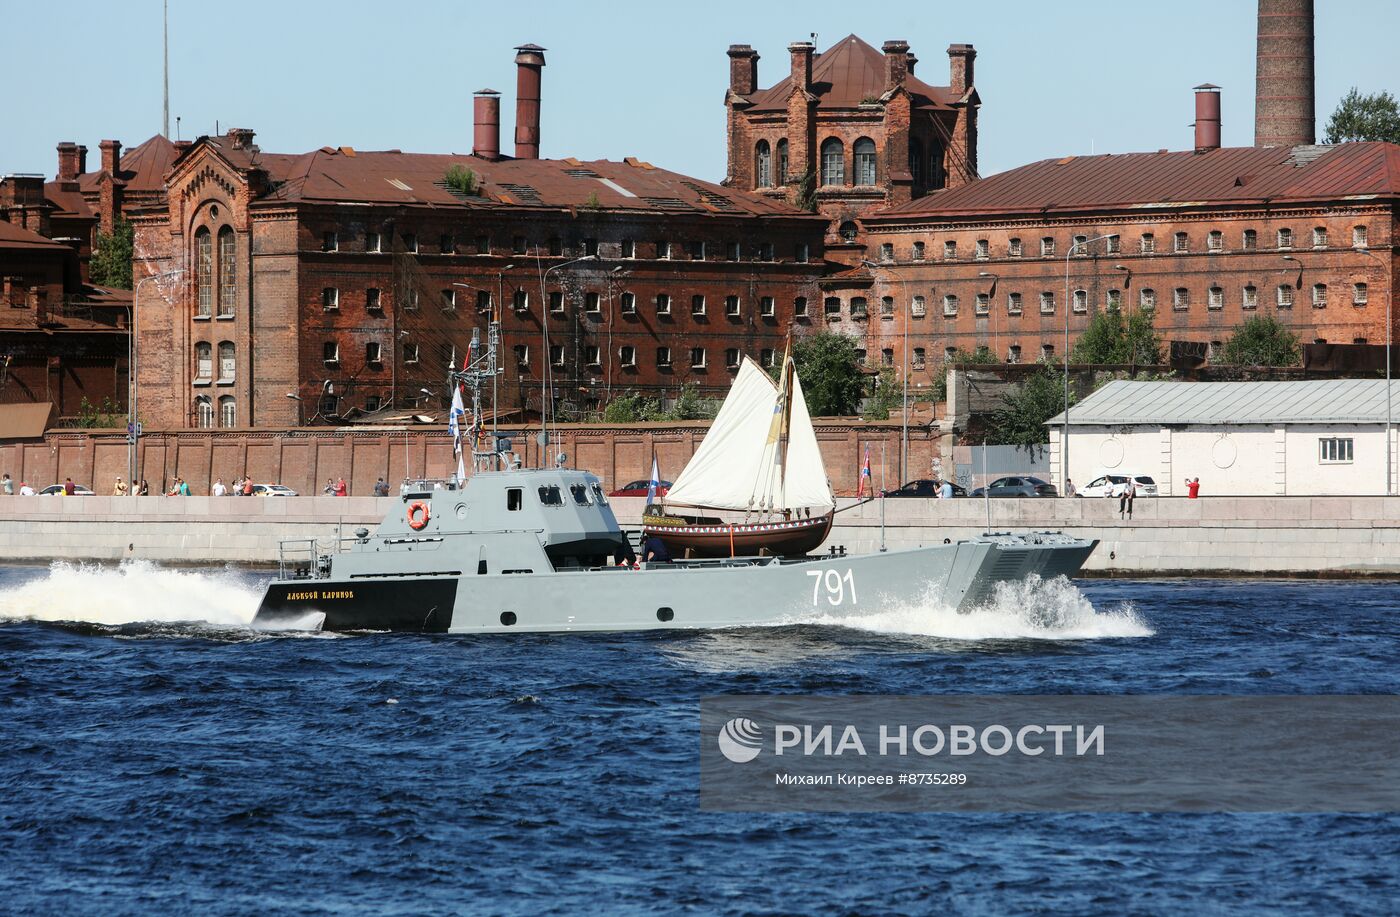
(740, 464)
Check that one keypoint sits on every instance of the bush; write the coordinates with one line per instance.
(1261, 341)
(1110, 338)
(461, 179)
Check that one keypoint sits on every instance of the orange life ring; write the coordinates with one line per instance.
(416, 521)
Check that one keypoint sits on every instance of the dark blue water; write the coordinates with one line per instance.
(177, 768)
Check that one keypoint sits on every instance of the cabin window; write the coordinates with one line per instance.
(550, 496)
(514, 499)
(599, 497)
(580, 493)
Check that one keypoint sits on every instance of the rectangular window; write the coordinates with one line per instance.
(590, 247)
(1334, 450)
(1358, 294)
(1013, 353)
(1114, 245)
(1181, 243)
(984, 250)
(627, 355)
(887, 356)
(410, 353)
(1216, 298)
(731, 357)
(483, 245)
(628, 303)
(799, 307)
(1319, 296)
(1013, 248)
(374, 242)
(950, 250)
(1147, 244)
(410, 242)
(731, 306)
(629, 248)
(446, 244)
(556, 245)
(950, 304)
(228, 273)
(372, 302)
(204, 361)
(411, 301)
(765, 306)
(372, 403)
(556, 302)
(832, 307)
(330, 299)
(801, 253)
(1284, 296)
(556, 354)
(592, 355)
(918, 308)
(330, 352)
(697, 304)
(1013, 303)
(1147, 299)
(887, 307)
(1081, 301)
(1047, 247)
(1285, 238)
(663, 303)
(1319, 237)
(1113, 300)
(1250, 240)
(920, 359)
(522, 355)
(858, 307)
(1047, 351)
(517, 245)
(1358, 237)
(1181, 299)
(696, 250)
(592, 303)
(1047, 303)
(765, 251)
(984, 303)
(765, 357)
(520, 301)
(372, 353)
(663, 357)
(918, 251)
(663, 250)
(483, 300)
(449, 300)
(697, 358)
(1215, 242)
(330, 241)
(886, 252)
(733, 251)
(1081, 246)
(1250, 299)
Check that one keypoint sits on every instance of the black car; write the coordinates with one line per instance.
(1019, 486)
(923, 488)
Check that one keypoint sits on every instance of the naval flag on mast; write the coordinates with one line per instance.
(655, 481)
(454, 424)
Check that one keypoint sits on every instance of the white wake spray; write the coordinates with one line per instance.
(1030, 609)
(135, 592)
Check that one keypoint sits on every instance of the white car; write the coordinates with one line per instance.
(1113, 485)
(273, 490)
(55, 489)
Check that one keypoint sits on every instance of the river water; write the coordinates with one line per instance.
(160, 756)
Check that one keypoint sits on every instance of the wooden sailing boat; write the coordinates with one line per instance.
(760, 458)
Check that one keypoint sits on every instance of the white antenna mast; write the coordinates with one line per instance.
(165, 49)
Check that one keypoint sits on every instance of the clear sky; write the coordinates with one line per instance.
(640, 79)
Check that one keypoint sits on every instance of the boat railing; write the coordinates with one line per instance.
(309, 558)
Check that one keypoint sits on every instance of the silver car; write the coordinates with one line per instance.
(1020, 485)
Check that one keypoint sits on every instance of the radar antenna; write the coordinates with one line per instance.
(480, 366)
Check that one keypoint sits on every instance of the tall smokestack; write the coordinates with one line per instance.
(1284, 97)
(1207, 117)
(529, 61)
(486, 124)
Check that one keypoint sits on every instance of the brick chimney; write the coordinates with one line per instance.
(743, 70)
(241, 138)
(1207, 117)
(896, 63)
(909, 63)
(1285, 105)
(801, 52)
(182, 145)
(486, 124)
(68, 161)
(529, 62)
(82, 159)
(39, 304)
(960, 59)
(111, 155)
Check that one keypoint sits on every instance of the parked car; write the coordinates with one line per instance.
(923, 488)
(639, 489)
(1112, 485)
(56, 489)
(1018, 486)
(273, 490)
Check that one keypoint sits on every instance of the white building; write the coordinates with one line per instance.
(1312, 438)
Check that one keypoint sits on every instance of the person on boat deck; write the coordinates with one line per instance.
(654, 551)
(624, 555)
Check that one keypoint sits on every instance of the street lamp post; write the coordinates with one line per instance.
(132, 353)
(300, 409)
(1074, 248)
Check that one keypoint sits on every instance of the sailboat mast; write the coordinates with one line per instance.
(785, 428)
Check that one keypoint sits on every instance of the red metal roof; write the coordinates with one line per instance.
(850, 72)
(13, 236)
(142, 167)
(1235, 175)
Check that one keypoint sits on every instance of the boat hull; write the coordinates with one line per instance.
(703, 594)
(792, 538)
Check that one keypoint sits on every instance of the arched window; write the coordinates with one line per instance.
(203, 361)
(226, 361)
(228, 270)
(203, 274)
(763, 165)
(865, 161)
(916, 161)
(204, 412)
(228, 411)
(833, 162)
(782, 162)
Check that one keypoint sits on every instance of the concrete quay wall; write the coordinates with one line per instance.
(1243, 535)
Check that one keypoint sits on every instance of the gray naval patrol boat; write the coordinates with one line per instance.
(510, 549)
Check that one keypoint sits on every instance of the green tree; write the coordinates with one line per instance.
(885, 398)
(1261, 341)
(1365, 117)
(1110, 338)
(111, 259)
(832, 380)
(1020, 421)
(981, 356)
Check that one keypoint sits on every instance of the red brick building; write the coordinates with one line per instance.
(352, 279)
(857, 123)
(1206, 238)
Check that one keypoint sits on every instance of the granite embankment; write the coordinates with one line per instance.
(1230, 535)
